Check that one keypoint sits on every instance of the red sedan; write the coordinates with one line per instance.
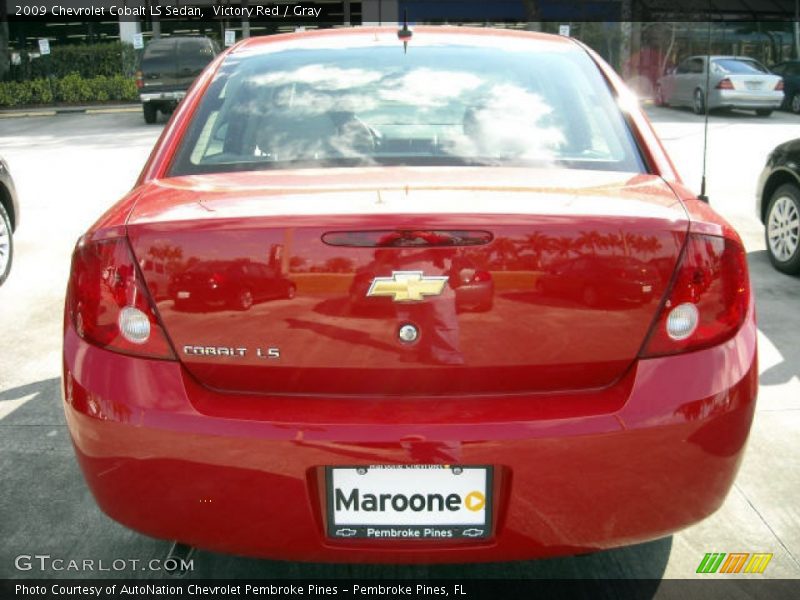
(369, 175)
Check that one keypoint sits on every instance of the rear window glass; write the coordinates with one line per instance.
(434, 105)
(159, 55)
(195, 53)
(731, 66)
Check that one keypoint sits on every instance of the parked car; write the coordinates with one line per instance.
(778, 206)
(588, 279)
(790, 71)
(308, 431)
(9, 220)
(167, 69)
(734, 82)
(220, 284)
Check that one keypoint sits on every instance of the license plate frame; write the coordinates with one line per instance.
(472, 520)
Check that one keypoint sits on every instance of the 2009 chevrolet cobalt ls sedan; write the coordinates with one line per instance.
(372, 415)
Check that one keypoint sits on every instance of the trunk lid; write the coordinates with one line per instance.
(300, 282)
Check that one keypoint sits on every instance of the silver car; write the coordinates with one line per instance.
(734, 82)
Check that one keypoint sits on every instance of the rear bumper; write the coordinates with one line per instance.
(159, 97)
(574, 472)
(747, 100)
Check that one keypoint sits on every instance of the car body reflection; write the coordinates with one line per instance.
(600, 282)
(227, 284)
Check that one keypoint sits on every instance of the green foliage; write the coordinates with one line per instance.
(87, 60)
(70, 89)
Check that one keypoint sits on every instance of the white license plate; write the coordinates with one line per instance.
(184, 295)
(415, 502)
(753, 85)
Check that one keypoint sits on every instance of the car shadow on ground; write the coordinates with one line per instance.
(646, 561)
(668, 114)
(773, 291)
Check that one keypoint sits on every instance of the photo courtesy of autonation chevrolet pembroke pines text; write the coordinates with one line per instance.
(400, 299)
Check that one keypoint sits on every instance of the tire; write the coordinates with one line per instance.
(782, 229)
(699, 103)
(485, 306)
(764, 112)
(244, 300)
(590, 297)
(794, 104)
(6, 244)
(150, 113)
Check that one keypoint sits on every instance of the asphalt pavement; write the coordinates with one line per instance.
(69, 168)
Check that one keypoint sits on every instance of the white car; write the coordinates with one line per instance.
(734, 82)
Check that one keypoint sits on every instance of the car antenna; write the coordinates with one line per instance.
(702, 195)
(404, 34)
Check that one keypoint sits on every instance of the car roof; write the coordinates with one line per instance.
(345, 37)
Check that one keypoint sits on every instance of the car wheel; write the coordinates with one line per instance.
(485, 306)
(660, 101)
(150, 113)
(763, 112)
(782, 230)
(699, 104)
(6, 244)
(794, 105)
(590, 296)
(291, 290)
(244, 301)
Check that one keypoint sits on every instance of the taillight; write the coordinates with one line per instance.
(708, 299)
(139, 79)
(779, 86)
(108, 304)
(481, 276)
(725, 84)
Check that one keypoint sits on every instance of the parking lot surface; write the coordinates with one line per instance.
(70, 168)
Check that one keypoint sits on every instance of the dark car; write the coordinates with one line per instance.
(778, 206)
(236, 284)
(9, 219)
(790, 71)
(167, 69)
(587, 279)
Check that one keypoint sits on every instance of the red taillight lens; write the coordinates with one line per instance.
(139, 79)
(482, 276)
(725, 84)
(779, 86)
(108, 304)
(710, 296)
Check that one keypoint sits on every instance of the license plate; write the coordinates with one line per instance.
(753, 85)
(183, 295)
(414, 502)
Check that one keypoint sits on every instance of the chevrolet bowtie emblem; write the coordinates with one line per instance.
(407, 286)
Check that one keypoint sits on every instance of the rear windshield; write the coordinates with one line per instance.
(732, 66)
(159, 51)
(434, 105)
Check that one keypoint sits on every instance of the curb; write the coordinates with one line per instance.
(69, 110)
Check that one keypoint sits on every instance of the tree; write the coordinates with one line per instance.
(532, 15)
(4, 58)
